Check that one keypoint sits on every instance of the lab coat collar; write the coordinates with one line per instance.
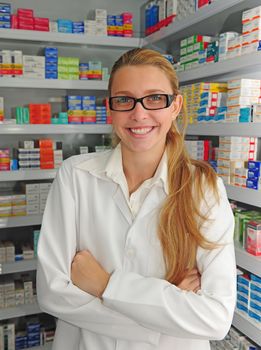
(108, 165)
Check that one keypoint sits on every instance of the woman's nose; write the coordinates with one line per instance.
(139, 112)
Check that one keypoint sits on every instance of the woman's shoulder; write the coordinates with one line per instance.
(88, 162)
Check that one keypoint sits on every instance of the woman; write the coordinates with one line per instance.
(136, 247)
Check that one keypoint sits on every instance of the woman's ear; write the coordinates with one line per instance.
(176, 106)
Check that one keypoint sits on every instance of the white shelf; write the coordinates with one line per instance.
(47, 346)
(245, 195)
(248, 261)
(19, 311)
(17, 221)
(55, 129)
(32, 174)
(209, 20)
(247, 326)
(221, 68)
(225, 129)
(69, 39)
(18, 266)
(53, 84)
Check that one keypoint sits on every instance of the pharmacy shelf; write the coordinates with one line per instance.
(17, 221)
(47, 346)
(225, 129)
(53, 84)
(248, 261)
(218, 17)
(55, 129)
(247, 326)
(214, 70)
(18, 266)
(244, 195)
(19, 311)
(32, 174)
(69, 39)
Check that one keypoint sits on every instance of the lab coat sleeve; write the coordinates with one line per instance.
(161, 306)
(57, 295)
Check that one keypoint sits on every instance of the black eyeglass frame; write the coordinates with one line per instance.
(169, 100)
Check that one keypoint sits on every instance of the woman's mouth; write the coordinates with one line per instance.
(141, 131)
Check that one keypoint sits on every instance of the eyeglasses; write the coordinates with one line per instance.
(150, 102)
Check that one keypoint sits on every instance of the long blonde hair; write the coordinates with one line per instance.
(180, 218)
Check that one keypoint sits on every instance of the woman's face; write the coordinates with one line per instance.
(142, 130)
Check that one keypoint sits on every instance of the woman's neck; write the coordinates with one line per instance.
(139, 167)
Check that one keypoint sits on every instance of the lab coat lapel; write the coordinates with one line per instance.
(154, 200)
(121, 203)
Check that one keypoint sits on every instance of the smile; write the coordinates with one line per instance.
(141, 131)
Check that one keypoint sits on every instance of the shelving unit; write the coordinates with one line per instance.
(248, 261)
(18, 266)
(247, 326)
(22, 175)
(34, 129)
(17, 221)
(225, 129)
(47, 346)
(69, 39)
(53, 84)
(218, 69)
(244, 195)
(19, 311)
(209, 20)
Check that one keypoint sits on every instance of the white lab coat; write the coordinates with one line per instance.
(140, 310)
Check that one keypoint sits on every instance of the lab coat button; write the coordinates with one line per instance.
(130, 252)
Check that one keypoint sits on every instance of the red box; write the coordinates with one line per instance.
(14, 21)
(253, 237)
(25, 12)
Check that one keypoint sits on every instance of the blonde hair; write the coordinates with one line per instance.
(180, 218)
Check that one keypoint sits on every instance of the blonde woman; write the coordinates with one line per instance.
(136, 247)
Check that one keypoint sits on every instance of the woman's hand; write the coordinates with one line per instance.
(192, 281)
(88, 275)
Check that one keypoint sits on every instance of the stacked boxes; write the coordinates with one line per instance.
(51, 63)
(81, 109)
(101, 22)
(33, 334)
(242, 93)
(28, 155)
(95, 70)
(212, 99)
(4, 159)
(46, 154)
(225, 43)
(5, 15)
(159, 14)
(101, 115)
(78, 27)
(36, 196)
(68, 68)
(90, 26)
(127, 18)
(253, 237)
(232, 153)
(193, 51)
(25, 20)
(253, 175)
(40, 113)
(200, 150)
(251, 20)
(12, 205)
(64, 25)
(249, 296)
(11, 63)
(34, 67)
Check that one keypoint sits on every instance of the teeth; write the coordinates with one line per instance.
(141, 131)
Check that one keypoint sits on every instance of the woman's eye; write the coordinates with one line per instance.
(123, 99)
(155, 98)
